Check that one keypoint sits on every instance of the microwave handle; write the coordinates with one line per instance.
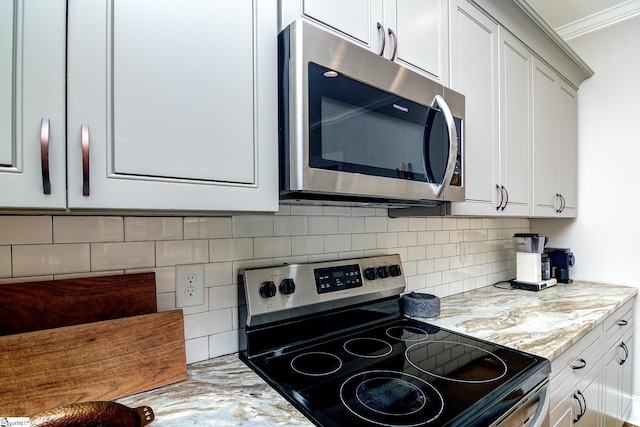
(439, 101)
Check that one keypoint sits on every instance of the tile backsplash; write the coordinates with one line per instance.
(56, 247)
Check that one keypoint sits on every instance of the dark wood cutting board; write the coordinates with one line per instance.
(95, 361)
(34, 306)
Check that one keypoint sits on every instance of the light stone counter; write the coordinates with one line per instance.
(218, 392)
(544, 323)
(225, 392)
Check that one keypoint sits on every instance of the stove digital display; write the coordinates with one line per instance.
(331, 279)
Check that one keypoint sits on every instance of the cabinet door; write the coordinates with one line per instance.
(32, 68)
(165, 95)
(421, 29)
(618, 373)
(356, 19)
(474, 73)
(516, 130)
(568, 149)
(591, 388)
(545, 134)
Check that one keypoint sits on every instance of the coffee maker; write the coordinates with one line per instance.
(530, 260)
(561, 260)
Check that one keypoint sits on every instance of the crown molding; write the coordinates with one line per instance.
(613, 15)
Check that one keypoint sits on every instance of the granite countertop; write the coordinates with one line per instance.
(225, 392)
(544, 323)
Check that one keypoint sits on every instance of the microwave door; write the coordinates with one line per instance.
(440, 146)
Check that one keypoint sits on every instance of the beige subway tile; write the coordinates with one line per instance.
(337, 211)
(375, 224)
(110, 256)
(35, 260)
(207, 323)
(291, 226)
(86, 229)
(253, 225)
(306, 245)
(398, 224)
(408, 238)
(230, 249)
(224, 343)
(417, 224)
(462, 223)
(306, 210)
(197, 349)
(153, 228)
(449, 223)
(363, 241)
(270, 247)
(223, 297)
(165, 279)
(337, 243)
(434, 223)
(350, 224)
(324, 225)
(360, 211)
(283, 210)
(5, 261)
(182, 252)
(386, 240)
(218, 274)
(25, 230)
(207, 227)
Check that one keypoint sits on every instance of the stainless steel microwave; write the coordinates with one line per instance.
(357, 128)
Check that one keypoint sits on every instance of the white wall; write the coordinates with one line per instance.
(605, 237)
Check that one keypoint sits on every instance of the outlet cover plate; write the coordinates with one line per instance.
(189, 285)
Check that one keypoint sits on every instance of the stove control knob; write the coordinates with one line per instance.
(383, 272)
(287, 286)
(267, 289)
(395, 270)
(370, 274)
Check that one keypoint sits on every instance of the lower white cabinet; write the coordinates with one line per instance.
(591, 381)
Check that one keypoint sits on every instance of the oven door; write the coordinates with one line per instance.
(531, 411)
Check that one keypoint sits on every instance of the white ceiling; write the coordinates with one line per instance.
(571, 18)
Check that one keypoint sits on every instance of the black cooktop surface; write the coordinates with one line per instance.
(400, 373)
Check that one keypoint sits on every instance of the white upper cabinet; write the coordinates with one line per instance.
(32, 116)
(411, 32)
(555, 141)
(516, 127)
(163, 102)
(474, 73)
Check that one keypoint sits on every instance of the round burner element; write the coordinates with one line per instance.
(466, 363)
(371, 348)
(316, 364)
(391, 399)
(407, 333)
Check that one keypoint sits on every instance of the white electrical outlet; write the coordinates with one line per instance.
(189, 285)
(464, 252)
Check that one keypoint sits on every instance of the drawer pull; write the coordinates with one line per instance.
(44, 155)
(626, 353)
(582, 365)
(622, 322)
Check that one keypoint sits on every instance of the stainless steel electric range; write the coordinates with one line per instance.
(332, 339)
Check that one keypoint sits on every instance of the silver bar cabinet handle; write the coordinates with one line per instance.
(501, 197)
(84, 140)
(44, 155)
(384, 38)
(395, 44)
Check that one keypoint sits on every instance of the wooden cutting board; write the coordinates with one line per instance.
(26, 307)
(95, 361)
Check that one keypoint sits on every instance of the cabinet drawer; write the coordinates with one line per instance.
(578, 351)
(587, 353)
(618, 323)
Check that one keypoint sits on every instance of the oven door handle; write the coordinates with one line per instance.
(439, 101)
(540, 416)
